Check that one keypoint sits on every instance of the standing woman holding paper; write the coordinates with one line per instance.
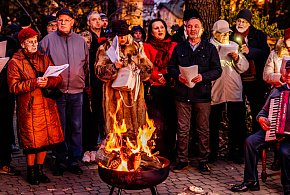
(159, 96)
(39, 125)
(226, 94)
(128, 54)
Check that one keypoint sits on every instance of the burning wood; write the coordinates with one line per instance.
(120, 153)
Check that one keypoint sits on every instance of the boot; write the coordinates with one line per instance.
(31, 176)
(40, 174)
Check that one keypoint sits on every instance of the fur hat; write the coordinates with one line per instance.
(287, 34)
(245, 14)
(64, 11)
(190, 13)
(26, 33)
(120, 28)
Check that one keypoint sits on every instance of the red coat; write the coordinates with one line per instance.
(151, 53)
(38, 119)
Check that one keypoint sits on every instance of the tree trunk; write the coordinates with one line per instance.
(208, 9)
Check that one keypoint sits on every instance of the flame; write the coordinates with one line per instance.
(115, 142)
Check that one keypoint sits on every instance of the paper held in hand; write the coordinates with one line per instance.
(224, 50)
(189, 73)
(113, 51)
(3, 62)
(54, 71)
(3, 48)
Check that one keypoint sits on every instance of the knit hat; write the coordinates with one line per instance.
(119, 27)
(64, 11)
(190, 13)
(48, 19)
(287, 34)
(221, 26)
(245, 14)
(26, 33)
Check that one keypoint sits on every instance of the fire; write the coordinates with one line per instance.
(129, 151)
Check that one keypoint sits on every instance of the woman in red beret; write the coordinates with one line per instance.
(39, 124)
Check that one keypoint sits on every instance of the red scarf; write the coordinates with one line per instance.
(162, 56)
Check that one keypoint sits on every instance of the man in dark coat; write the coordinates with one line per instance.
(253, 44)
(194, 51)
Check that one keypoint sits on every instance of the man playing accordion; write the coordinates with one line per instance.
(256, 142)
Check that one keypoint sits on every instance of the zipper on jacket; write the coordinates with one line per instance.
(68, 76)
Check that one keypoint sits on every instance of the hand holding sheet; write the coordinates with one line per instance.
(189, 73)
(54, 71)
(224, 50)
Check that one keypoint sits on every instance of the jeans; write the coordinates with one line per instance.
(202, 112)
(70, 111)
(253, 145)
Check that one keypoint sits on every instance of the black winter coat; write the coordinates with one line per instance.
(208, 61)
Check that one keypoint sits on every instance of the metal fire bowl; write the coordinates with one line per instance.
(136, 180)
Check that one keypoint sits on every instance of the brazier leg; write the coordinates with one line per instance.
(112, 190)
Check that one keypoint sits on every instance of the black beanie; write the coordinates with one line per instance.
(245, 14)
(190, 13)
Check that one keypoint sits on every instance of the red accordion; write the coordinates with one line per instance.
(278, 115)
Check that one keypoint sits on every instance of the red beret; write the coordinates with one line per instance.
(26, 33)
(287, 34)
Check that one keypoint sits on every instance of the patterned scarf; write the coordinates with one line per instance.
(162, 56)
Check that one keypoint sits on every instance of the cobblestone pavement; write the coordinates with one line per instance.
(224, 175)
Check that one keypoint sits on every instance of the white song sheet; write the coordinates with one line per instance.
(54, 71)
(189, 73)
(3, 62)
(224, 50)
(3, 48)
(113, 51)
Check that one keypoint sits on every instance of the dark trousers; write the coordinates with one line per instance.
(7, 104)
(93, 120)
(161, 108)
(253, 146)
(255, 92)
(202, 112)
(70, 111)
(235, 113)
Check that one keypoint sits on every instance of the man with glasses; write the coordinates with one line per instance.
(253, 45)
(226, 94)
(66, 47)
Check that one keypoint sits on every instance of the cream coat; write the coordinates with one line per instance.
(229, 88)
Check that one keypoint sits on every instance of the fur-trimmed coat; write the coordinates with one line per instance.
(135, 116)
(38, 119)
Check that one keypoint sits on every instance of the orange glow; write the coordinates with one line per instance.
(129, 150)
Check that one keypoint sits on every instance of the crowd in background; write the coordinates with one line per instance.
(73, 124)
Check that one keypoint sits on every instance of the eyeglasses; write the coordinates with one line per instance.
(52, 25)
(31, 42)
(64, 21)
(224, 34)
(242, 21)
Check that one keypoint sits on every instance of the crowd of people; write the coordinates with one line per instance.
(233, 66)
